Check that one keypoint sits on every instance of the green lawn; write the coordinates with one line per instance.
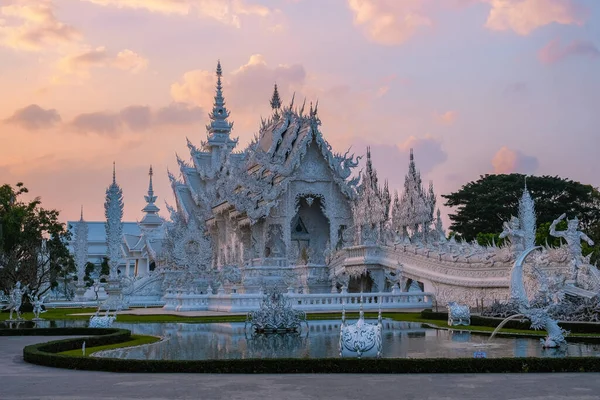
(66, 314)
(137, 340)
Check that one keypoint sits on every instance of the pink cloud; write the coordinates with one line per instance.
(524, 16)
(390, 22)
(447, 118)
(555, 52)
(507, 161)
(33, 26)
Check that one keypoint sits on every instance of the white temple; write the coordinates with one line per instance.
(287, 211)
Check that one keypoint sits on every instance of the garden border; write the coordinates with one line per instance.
(46, 354)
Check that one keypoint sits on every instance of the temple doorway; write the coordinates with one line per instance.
(309, 232)
(360, 284)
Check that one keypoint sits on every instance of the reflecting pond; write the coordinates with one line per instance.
(187, 341)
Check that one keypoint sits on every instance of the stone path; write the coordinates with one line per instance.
(23, 381)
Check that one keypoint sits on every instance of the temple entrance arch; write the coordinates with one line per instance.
(361, 284)
(309, 230)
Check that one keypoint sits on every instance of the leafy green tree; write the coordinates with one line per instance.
(89, 270)
(488, 239)
(483, 205)
(33, 243)
(104, 269)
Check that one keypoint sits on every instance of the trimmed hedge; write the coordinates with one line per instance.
(38, 354)
(46, 354)
(573, 327)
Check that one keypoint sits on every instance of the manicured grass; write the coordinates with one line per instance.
(137, 340)
(67, 314)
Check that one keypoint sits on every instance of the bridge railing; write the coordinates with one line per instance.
(234, 302)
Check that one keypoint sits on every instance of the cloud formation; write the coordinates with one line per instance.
(390, 22)
(555, 51)
(393, 22)
(31, 25)
(136, 119)
(34, 117)
(82, 62)
(227, 12)
(524, 16)
(507, 161)
(447, 118)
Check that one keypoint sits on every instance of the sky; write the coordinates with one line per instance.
(473, 86)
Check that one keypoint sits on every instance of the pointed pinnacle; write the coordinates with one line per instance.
(219, 70)
(114, 173)
(81, 218)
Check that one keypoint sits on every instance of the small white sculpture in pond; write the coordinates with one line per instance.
(38, 306)
(541, 320)
(458, 314)
(106, 321)
(276, 315)
(361, 337)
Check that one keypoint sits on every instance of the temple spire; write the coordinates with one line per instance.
(81, 217)
(275, 99)
(151, 218)
(219, 127)
(275, 103)
(113, 210)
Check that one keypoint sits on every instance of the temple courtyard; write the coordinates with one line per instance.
(23, 381)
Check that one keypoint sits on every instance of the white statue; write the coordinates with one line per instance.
(515, 234)
(458, 314)
(573, 237)
(541, 320)
(106, 321)
(361, 337)
(16, 300)
(38, 306)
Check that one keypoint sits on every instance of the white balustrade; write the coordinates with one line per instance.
(234, 302)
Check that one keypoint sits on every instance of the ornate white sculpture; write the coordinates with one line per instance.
(573, 237)
(104, 321)
(276, 315)
(38, 306)
(16, 300)
(361, 337)
(458, 314)
(515, 235)
(81, 255)
(541, 320)
(113, 210)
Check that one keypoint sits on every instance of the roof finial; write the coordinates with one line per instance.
(275, 99)
(114, 173)
(292, 102)
(150, 189)
(81, 218)
(525, 182)
(151, 218)
(219, 114)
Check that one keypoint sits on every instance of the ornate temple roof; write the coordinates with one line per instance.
(251, 182)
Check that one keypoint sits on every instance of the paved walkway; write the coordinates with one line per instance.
(23, 381)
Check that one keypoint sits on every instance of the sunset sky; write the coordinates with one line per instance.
(474, 86)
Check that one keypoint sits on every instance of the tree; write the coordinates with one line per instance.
(482, 206)
(33, 243)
